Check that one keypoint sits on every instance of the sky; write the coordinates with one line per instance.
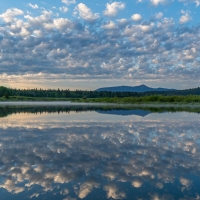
(90, 44)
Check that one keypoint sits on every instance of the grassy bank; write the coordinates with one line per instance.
(125, 100)
(145, 99)
(22, 98)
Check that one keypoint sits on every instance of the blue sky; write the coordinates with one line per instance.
(89, 44)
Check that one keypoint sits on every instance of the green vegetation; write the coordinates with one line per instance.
(22, 98)
(52, 93)
(146, 99)
(124, 100)
(187, 96)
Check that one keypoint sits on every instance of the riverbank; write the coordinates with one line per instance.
(154, 99)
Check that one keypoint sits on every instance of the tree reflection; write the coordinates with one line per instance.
(150, 159)
(140, 110)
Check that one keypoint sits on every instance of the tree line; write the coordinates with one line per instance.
(60, 93)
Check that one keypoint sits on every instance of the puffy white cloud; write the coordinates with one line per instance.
(123, 21)
(114, 192)
(113, 8)
(10, 186)
(197, 2)
(159, 15)
(10, 14)
(137, 183)
(185, 182)
(24, 32)
(110, 25)
(86, 188)
(111, 175)
(146, 27)
(61, 48)
(156, 2)
(86, 13)
(63, 9)
(68, 2)
(155, 196)
(189, 54)
(34, 6)
(34, 195)
(185, 17)
(43, 20)
(136, 17)
(62, 23)
(84, 192)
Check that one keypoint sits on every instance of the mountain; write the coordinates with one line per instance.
(141, 113)
(139, 88)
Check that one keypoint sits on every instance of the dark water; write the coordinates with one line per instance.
(99, 155)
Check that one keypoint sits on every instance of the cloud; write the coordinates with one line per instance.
(113, 192)
(146, 27)
(95, 152)
(137, 183)
(10, 14)
(159, 15)
(197, 2)
(113, 8)
(60, 24)
(10, 186)
(185, 17)
(157, 2)
(185, 182)
(86, 188)
(56, 48)
(68, 2)
(110, 25)
(40, 21)
(63, 9)
(123, 22)
(136, 17)
(86, 13)
(34, 195)
(34, 6)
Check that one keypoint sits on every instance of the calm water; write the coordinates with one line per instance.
(115, 154)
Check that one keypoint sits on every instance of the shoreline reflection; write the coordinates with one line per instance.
(123, 110)
(127, 160)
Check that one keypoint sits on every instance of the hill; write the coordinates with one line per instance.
(141, 113)
(140, 88)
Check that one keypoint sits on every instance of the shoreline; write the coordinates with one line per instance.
(77, 103)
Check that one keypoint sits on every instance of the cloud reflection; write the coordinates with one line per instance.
(79, 159)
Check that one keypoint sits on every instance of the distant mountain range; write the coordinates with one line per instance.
(139, 88)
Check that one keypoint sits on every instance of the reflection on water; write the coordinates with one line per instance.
(144, 159)
(8, 108)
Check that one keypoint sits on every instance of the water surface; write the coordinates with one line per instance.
(99, 154)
